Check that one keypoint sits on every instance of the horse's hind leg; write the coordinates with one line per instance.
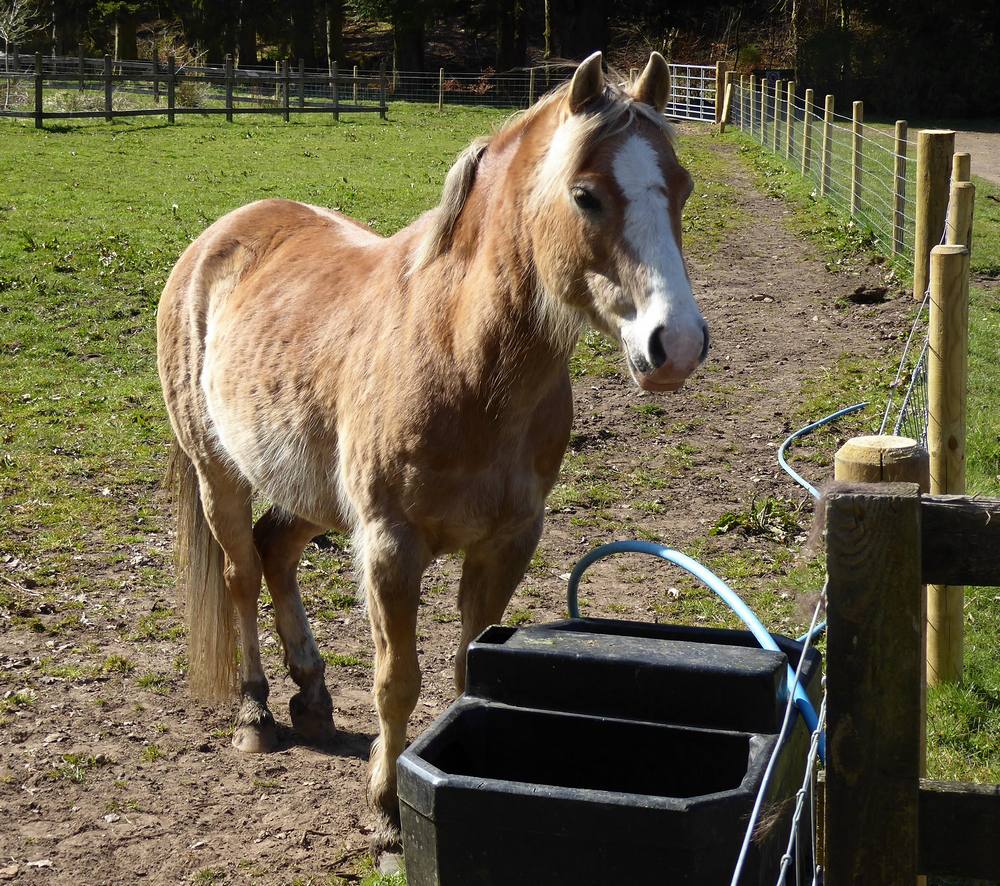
(280, 539)
(490, 573)
(227, 508)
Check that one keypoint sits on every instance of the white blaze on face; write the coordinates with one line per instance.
(663, 293)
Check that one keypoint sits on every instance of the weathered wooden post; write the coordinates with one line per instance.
(229, 87)
(39, 83)
(935, 148)
(752, 96)
(285, 89)
(171, 86)
(743, 101)
(720, 88)
(790, 120)
(899, 189)
(947, 377)
(826, 152)
(857, 152)
(961, 167)
(807, 133)
(107, 87)
(779, 92)
(763, 111)
(335, 86)
(355, 81)
(958, 229)
(383, 88)
(882, 458)
(727, 102)
(80, 59)
(873, 684)
(531, 86)
(156, 75)
(302, 83)
(440, 90)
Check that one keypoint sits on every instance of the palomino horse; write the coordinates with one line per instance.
(412, 389)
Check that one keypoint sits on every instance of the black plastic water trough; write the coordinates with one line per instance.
(605, 752)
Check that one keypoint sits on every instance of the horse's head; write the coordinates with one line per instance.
(606, 226)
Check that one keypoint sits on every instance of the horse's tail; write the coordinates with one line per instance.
(200, 567)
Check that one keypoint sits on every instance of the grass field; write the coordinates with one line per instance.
(963, 719)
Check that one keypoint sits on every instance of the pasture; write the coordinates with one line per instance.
(106, 765)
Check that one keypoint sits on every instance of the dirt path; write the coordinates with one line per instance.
(110, 775)
(985, 150)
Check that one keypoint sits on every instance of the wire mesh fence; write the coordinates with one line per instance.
(866, 171)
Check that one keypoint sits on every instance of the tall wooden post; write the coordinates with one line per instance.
(79, 50)
(171, 86)
(826, 152)
(958, 230)
(107, 87)
(743, 102)
(752, 96)
(858, 155)
(156, 75)
(961, 167)
(39, 84)
(763, 111)
(285, 89)
(727, 102)
(935, 148)
(899, 189)
(531, 86)
(807, 134)
(873, 684)
(779, 94)
(355, 80)
(334, 74)
(229, 87)
(440, 90)
(720, 88)
(947, 375)
(302, 83)
(383, 88)
(790, 120)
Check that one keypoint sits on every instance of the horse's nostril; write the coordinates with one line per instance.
(704, 347)
(657, 354)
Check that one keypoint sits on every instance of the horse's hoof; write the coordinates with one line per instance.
(315, 726)
(259, 738)
(385, 839)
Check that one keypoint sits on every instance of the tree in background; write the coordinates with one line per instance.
(18, 20)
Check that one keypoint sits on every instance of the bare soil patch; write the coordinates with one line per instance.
(985, 150)
(111, 775)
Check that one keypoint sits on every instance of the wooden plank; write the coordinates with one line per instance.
(874, 667)
(960, 829)
(961, 540)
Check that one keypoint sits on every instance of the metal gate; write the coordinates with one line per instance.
(692, 93)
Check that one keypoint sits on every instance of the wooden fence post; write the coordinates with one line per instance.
(807, 134)
(947, 375)
(355, 81)
(171, 85)
(961, 167)
(763, 112)
(38, 90)
(899, 189)
(960, 208)
(743, 102)
(727, 102)
(383, 87)
(935, 148)
(440, 89)
(285, 89)
(156, 75)
(720, 88)
(79, 49)
(779, 94)
(531, 86)
(857, 153)
(229, 87)
(873, 684)
(790, 120)
(753, 103)
(107, 87)
(826, 152)
(302, 83)
(336, 91)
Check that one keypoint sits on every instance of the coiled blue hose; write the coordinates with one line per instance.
(802, 703)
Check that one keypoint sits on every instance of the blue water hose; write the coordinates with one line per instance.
(808, 429)
(802, 702)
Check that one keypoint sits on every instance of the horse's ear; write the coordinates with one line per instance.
(587, 83)
(653, 86)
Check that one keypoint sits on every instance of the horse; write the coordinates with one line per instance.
(412, 390)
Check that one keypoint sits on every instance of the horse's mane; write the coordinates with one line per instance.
(606, 116)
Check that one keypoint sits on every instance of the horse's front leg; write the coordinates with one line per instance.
(394, 559)
(490, 573)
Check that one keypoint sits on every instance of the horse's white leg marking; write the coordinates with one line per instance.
(669, 302)
(393, 557)
(227, 509)
(490, 573)
(280, 539)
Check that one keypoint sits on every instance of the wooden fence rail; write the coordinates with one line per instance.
(883, 823)
(228, 79)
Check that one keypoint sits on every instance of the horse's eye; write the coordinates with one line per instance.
(586, 200)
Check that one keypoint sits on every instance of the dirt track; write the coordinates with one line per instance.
(985, 150)
(155, 793)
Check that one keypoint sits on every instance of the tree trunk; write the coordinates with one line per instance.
(126, 46)
(246, 33)
(408, 39)
(334, 31)
(579, 28)
(303, 45)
